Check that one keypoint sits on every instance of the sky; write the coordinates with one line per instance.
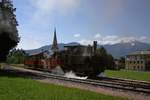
(107, 21)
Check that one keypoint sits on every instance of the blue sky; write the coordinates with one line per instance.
(107, 21)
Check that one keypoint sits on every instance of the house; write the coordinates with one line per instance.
(139, 60)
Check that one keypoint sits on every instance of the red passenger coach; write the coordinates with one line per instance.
(53, 62)
(33, 63)
(39, 61)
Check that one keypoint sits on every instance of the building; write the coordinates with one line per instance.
(45, 59)
(139, 60)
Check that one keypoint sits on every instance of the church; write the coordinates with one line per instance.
(47, 53)
(47, 59)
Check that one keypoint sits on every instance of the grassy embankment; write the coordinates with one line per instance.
(136, 75)
(17, 88)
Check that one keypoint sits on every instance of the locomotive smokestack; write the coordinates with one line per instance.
(94, 47)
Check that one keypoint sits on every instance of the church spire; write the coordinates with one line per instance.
(55, 45)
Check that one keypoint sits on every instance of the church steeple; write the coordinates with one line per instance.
(55, 45)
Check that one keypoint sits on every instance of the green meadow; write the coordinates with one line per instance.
(135, 75)
(13, 87)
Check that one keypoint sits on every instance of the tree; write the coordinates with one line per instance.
(8, 28)
(16, 57)
(110, 62)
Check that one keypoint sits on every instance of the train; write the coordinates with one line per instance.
(83, 60)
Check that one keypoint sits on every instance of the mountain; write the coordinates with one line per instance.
(48, 47)
(117, 50)
(121, 49)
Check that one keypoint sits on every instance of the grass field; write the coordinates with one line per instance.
(16, 88)
(144, 76)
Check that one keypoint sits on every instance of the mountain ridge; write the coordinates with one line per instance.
(117, 50)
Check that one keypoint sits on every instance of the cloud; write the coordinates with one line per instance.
(86, 42)
(29, 43)
(61, 6)
(45, 11)
(40, 17)
(112, 39)
(76, 35)
(143, 38)
(97, 36)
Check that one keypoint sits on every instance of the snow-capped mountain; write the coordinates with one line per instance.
(117, 50)
(124, 48)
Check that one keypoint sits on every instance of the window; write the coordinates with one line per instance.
(138, 67)
(0, 12)
(134, 62)
(141, 67)
(141, 62)
(130, 62)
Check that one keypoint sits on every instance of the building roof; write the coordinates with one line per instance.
(140, 53)
(36, 53)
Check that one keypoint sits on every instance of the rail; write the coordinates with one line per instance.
(128, 85)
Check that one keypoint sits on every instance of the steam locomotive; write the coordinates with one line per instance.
(83, 60)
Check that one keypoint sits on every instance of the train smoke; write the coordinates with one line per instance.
(59, 71)
(71, 74)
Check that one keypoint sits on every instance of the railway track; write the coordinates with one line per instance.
(127, 85)
(115, 85)
(136, 84)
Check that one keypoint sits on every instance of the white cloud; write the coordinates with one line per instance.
(97, 36)
(143, 38)
(86, 42)
(29, 43)
(112, 39)
(61, 6)
(42, 15)
(45, 11)
(76, 35)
